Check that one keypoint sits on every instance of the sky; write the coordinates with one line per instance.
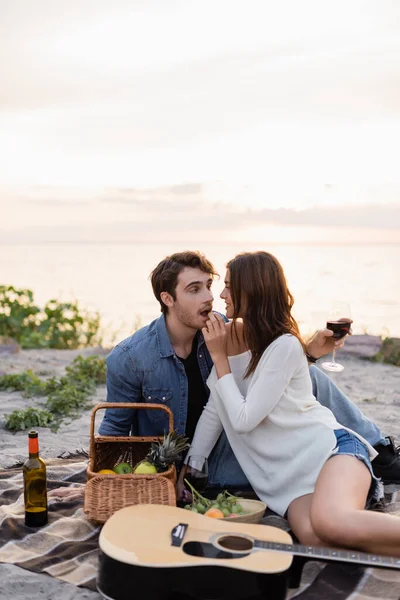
(259, 116)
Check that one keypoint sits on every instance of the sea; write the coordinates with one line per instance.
(113, 278)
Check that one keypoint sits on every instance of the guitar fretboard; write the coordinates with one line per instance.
(352, 556)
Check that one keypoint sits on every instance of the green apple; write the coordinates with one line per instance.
(145, 468)
(123, 469)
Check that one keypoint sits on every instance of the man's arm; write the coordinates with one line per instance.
(123, 385)
(321, 343)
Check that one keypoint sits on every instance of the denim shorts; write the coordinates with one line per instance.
(349, 444)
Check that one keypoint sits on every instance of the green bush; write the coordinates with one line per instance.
(60, 325)
(26, 381)
(91, 368)
(66, 396)
(389, 352)
(69, 400)
(19, 420)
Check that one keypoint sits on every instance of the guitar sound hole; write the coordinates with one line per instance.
(235, 543)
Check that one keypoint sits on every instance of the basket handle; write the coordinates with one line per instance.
(139, 405)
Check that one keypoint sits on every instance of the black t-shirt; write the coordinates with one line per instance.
(197, 393)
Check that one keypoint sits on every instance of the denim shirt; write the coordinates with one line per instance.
(144, 368)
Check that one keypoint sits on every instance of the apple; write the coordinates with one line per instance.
(123, 469)
(145, 468)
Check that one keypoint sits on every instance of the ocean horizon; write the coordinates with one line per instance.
(112, 277)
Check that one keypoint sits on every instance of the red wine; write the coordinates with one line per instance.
(340, 328)
(197, 480)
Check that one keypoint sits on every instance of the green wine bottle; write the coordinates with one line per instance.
(35, 485)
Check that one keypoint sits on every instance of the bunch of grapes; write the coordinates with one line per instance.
(225, 503)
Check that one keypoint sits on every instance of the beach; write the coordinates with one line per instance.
(374, 387)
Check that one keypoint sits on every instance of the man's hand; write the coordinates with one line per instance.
(323, 343)
(182, 493)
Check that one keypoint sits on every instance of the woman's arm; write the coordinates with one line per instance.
(271, 378)
(208, 430)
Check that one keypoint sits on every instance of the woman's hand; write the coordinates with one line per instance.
(215, 336)
(215, 333)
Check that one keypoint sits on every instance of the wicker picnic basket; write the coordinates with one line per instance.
(106, 493)
(103, 497)
(107, 451)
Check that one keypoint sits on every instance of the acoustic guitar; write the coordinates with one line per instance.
(157, 552)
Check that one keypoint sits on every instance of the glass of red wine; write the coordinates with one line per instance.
(197, 471)
(339, 321)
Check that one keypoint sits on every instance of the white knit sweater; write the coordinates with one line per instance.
(280, 434)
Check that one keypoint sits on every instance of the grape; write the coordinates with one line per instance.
(226, 512)
(201, 508)
(188, 506)
(194, 509)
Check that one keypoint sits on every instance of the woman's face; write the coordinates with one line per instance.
(226, 295)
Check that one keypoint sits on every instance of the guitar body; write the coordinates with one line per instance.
(159, 552)
(138, 561)
(120, 581)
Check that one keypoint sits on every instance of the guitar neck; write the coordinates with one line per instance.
(331, 554)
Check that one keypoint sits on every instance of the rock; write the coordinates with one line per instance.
(8, 346)
(361, 346)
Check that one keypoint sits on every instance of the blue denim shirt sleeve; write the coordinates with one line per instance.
(123, 385)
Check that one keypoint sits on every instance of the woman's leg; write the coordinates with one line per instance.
(337, 509)
(300, 521)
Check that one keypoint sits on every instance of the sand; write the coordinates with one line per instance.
(374, 387)
(72, 436)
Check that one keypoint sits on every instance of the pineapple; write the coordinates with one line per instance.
(162, 454)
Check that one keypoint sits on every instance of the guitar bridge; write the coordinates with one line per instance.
(178, 534)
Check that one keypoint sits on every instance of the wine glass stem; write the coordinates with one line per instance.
(334, 355)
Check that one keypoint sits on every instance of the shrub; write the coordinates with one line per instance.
(19, 420)
(389, 352)
(26, 381)
(66, 396)
(59, 325)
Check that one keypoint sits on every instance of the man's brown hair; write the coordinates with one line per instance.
(164, 277)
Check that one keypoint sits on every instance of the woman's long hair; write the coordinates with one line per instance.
(260, 296)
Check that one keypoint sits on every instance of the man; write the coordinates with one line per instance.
(167, 362)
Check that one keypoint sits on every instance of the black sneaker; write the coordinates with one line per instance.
(387, 464)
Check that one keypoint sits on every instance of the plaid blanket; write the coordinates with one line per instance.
(67, 547)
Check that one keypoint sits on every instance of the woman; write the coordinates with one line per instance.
(297, 457)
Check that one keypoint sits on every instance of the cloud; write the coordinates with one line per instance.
(371, 216)
(186, 188)
(152, 215)
(349, 70)
(147, 196)
(151, 92)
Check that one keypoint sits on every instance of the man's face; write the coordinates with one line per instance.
(193, 298)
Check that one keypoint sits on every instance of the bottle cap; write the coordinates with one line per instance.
(33, 434)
